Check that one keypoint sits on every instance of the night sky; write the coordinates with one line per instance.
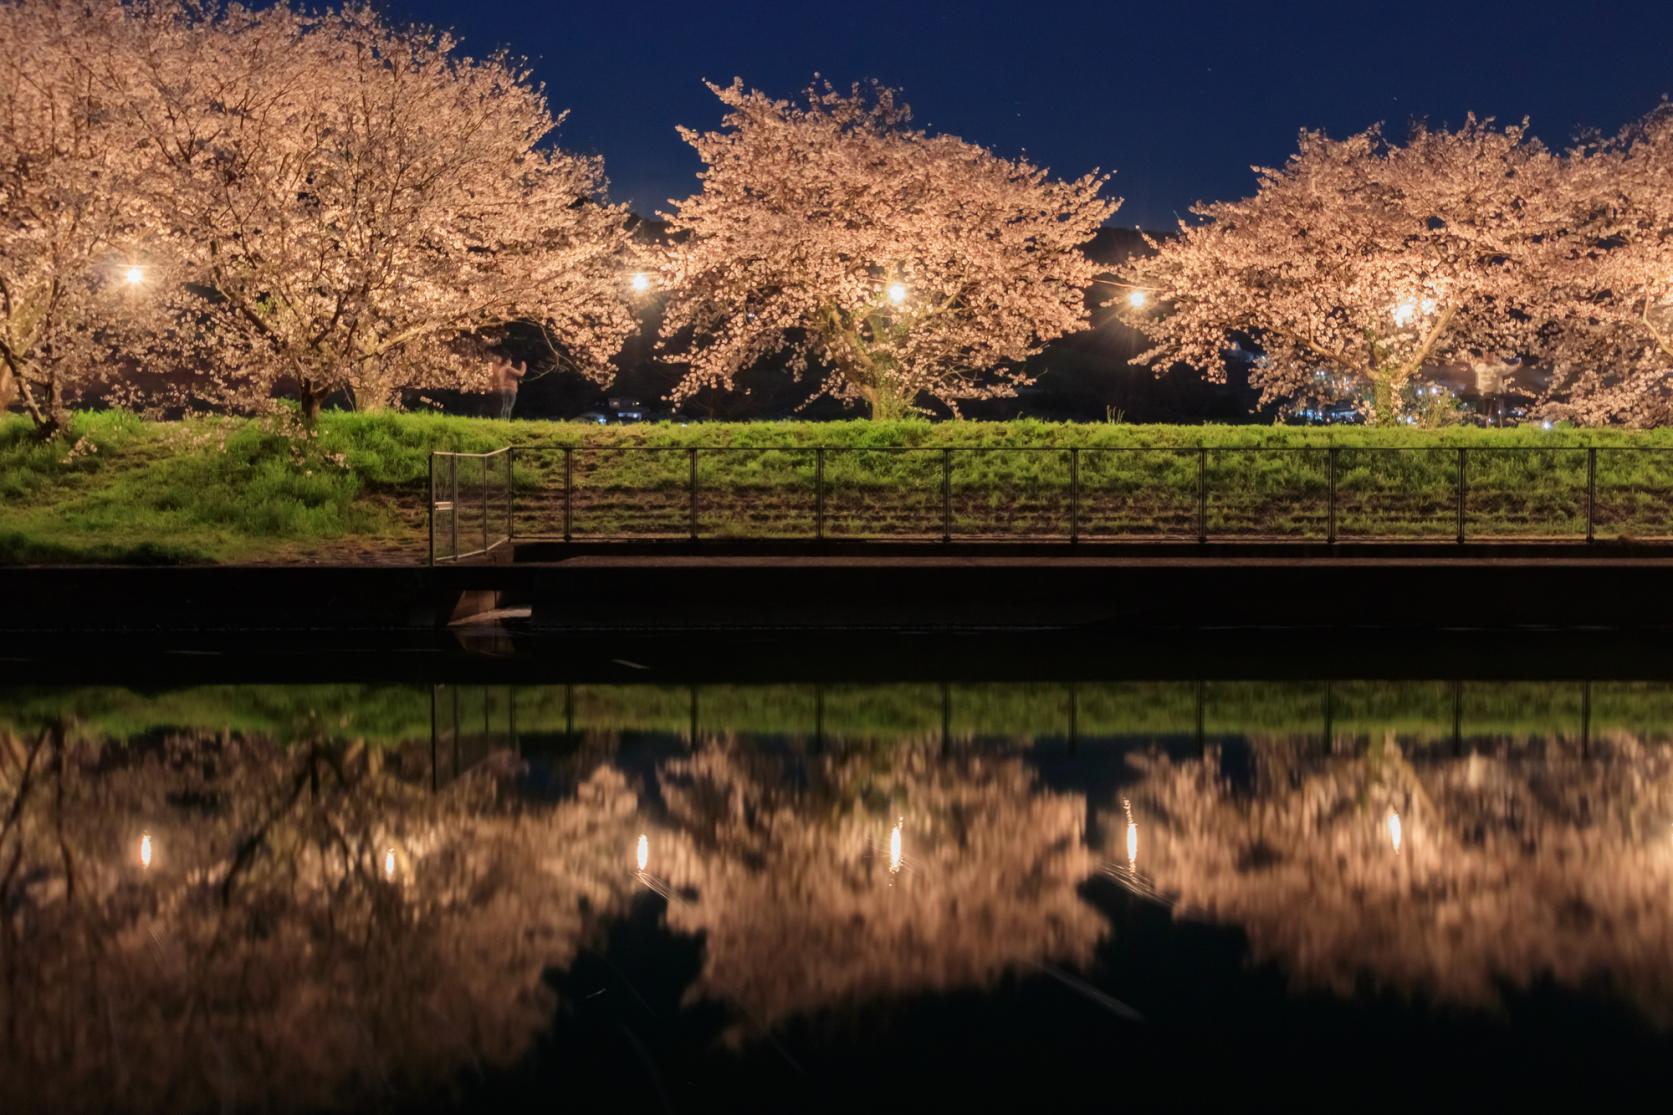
(1179, 99)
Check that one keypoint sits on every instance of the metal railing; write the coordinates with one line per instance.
(1073, 494)
(475, 508)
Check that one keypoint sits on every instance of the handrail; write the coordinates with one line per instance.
(452, 506)
(1332, 498)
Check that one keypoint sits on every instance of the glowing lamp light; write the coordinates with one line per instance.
(145, 851)
(1132, 845)
(1405, 311)
(640, 282)
(133, 275)
(389, 863)
(642, 852)
(897, 293)
(894, 849)
(1395, 831)
(1137, 299)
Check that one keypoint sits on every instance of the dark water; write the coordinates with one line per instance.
(1363, 895)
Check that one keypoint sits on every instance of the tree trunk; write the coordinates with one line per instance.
(885, 404)
(57, 414)
(310, 401)
(881, 393)
(45, 424)
(1385, 401)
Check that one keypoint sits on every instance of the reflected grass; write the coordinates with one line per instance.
(1416, 712)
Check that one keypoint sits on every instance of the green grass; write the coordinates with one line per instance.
(230, 490)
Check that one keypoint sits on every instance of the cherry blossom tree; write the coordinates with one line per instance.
(361, 201)
(79, 258)
(1609, 280)
(1360, 261)
(910, 265)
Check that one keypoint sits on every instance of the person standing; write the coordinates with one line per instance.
(506, 378)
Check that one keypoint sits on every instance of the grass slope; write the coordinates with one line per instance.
(121, 489)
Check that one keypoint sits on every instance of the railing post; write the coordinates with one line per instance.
(510, 498)
(1330, 471)
(693, 488)
(453, 518)
(1461, 489)
(1074, 494)
(432, 507)
(1202, 494)
(1591, 494)
(819, 493)
(946, 495)
(484, 492)
(568, 492)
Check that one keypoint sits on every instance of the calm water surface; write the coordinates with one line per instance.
(1099, 896)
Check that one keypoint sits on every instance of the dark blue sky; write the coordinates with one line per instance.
(1179, 99)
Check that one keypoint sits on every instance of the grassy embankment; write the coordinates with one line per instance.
(230, 490)
(1419, 712)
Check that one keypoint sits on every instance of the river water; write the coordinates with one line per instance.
(1118, 895)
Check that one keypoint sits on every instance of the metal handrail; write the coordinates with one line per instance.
(447, 511)
(452, 506)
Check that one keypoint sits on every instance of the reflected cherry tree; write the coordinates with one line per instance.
(854, 877)
(1444, 875)
(230, 922)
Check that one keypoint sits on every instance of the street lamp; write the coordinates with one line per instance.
(640, 282)
(133, 275)
(1407, 310)
(897, 293)
(1137, 299)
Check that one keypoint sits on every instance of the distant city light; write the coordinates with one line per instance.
(134, 275)
(1137, 299)
(641, 282)
(897, 293)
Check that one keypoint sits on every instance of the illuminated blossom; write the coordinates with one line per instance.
(911, 266)
(1609, 280)
(362, 201)
(81, 259)
(1360, 260)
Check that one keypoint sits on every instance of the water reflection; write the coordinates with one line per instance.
(324, 873)
(778, 856)
(1514, 863)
